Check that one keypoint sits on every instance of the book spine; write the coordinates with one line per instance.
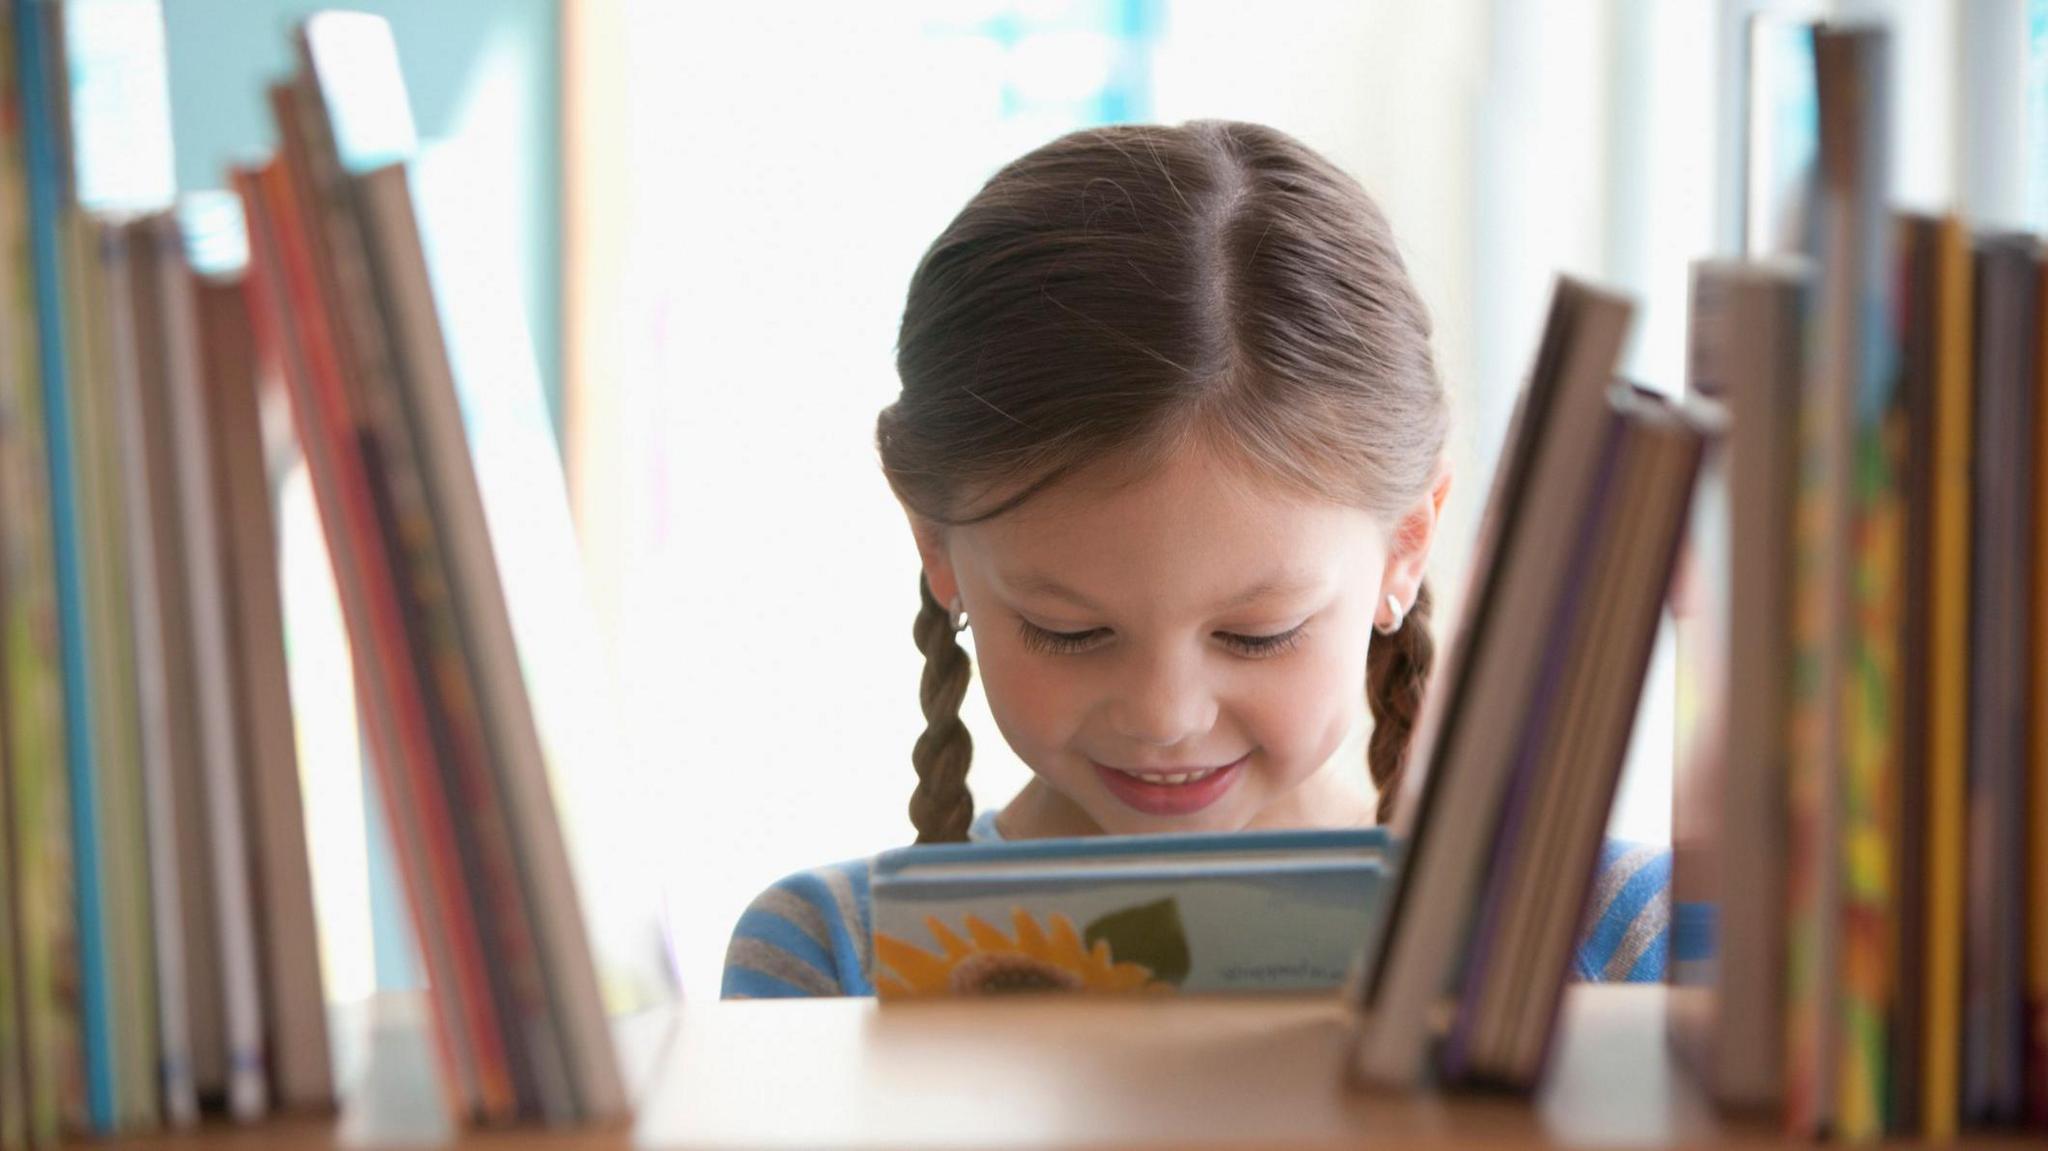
(1948, 676)
(296, 1015)
(2036, 885)
(152, 676)
(1906, 814)
(1851, 66)
(45, 943)
(248, 1095)
(92, 1007)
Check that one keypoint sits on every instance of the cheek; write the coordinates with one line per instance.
(1301, 716)
(1034, 707)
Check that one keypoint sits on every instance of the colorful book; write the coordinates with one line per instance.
(43, 115)
(1918, 241)
(1268, 911)
(46, 940)
(1853, 246)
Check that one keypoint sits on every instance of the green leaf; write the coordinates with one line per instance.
(1148, 934)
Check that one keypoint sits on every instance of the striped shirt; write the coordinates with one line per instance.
(808, 934)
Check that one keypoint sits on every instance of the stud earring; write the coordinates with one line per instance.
(957, 615)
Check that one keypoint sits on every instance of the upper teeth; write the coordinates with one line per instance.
(1175, 778)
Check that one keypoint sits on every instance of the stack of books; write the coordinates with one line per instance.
(1522, 736)
(344, 301)
(160, 949)
(1860, 821)
(159, 958)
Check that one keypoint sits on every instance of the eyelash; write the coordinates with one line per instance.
(1071, 643)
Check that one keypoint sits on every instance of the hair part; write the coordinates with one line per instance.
(1126, 293)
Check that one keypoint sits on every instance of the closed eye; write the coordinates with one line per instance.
(1056, 642)
(1071, 642)
(1265, 645)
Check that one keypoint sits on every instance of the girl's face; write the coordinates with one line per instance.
(1182, 654)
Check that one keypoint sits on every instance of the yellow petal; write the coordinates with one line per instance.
(917, 966)
(1066, 944)
(948, 939)
(987, 938)
(1030, 940)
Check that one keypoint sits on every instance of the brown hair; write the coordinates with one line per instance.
(1123, 293)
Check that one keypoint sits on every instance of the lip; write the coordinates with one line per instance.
(1170, 799)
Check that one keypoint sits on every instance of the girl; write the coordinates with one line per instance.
(1171, 441)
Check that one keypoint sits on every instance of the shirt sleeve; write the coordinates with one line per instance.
(1628, 925)
(807, 935)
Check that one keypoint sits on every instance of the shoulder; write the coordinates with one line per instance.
(1628, 917)
(806, 935)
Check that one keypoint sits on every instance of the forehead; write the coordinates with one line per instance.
(1188, 536)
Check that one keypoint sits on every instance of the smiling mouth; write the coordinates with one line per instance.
(1174, 792)
(1171, 778)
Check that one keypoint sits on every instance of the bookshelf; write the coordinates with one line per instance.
(1070, 1073)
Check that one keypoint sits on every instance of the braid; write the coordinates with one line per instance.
(1396, 670)
(941, 808)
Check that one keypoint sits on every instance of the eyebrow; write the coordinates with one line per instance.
(1048, 586)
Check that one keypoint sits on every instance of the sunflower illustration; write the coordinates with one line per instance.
(988, 962)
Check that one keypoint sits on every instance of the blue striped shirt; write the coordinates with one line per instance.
(808, 934)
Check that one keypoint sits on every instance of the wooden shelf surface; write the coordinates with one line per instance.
(1078, 1073)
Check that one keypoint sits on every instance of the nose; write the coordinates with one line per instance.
(1164, 701)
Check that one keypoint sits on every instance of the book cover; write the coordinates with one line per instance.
(1270, 911)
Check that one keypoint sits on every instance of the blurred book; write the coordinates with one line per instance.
(1733, 614)
(1587, 508)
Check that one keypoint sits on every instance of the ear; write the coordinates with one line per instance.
(933, 555)
(1409, 546)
